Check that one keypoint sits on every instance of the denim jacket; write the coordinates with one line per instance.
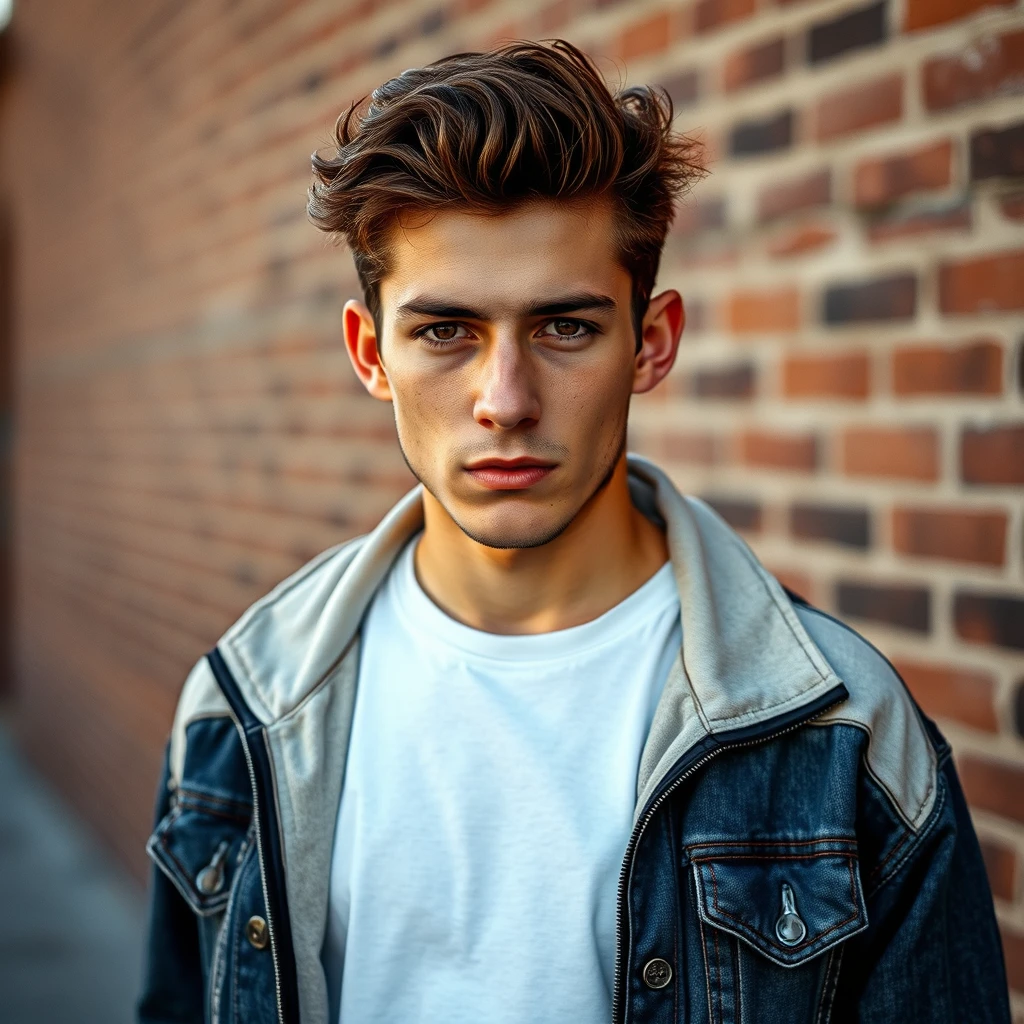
(801, 850)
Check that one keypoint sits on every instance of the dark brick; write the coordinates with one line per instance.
(1001, 868)
(850, 527)
(993, 455)
(1018, 708)
(683, 87)
(1013, 955)
(920, 219)
(882, 298)
(735, 381)
(1020, 366)
(740, 513)
(433, 21)
(901, 606)
(998, 152)
(762, 135)
(853, 30)
(996, 619)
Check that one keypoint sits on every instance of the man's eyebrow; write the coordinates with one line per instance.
(427, 306)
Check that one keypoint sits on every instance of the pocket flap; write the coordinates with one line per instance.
(199, 851)
(789, 907)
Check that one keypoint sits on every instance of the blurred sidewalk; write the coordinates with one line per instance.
(70, 921)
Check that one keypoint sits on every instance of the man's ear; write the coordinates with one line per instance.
(361, 343)
(662, 327)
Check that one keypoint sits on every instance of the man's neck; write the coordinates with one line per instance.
(607, 552)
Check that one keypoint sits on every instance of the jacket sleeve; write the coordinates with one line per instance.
(172, 985)
(932, 950)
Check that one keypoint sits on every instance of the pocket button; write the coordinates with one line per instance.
(256, 932)
(657, 973)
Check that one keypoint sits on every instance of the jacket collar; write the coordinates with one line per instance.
(746, 657)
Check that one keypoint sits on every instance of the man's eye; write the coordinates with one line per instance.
(569, 330)
(439, 335)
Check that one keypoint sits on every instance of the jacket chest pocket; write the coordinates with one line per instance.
(772, 923)
(206, 847)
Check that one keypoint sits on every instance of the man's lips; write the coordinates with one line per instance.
(509, 474)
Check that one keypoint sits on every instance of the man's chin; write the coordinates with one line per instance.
(509, 532)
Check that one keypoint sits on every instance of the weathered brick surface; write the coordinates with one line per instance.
(955, 534)
(188, 431)
(1001, 867)
(945, 691)
(827, 376)
(909, 453)
(858, 108)
(973, 368)
(882, 180)
(986, 68)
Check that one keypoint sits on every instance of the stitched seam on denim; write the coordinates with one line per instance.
(718, 976)
(773, 842)
(192, 805)
(745, 928)
(877, 870)
(918, 841)
(707, 966)
(781, 856)
(832, 980)
(201, 795)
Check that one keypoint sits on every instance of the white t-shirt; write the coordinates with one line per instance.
(487, 804)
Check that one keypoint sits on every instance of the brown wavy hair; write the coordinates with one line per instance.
(484, 131)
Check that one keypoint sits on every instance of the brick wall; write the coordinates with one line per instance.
(848, 393)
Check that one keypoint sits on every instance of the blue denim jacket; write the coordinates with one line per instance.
(801, 849)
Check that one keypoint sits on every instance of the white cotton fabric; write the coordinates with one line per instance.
(488, 798)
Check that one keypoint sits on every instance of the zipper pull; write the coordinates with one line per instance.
(789, 927)
(211, 879)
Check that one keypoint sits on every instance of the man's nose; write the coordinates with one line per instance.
(507, 395)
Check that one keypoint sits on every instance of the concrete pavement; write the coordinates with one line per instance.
(71, 922)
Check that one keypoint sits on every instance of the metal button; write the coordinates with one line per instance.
(657, 973)
(257, 932)
(789, 927)
(211, 879)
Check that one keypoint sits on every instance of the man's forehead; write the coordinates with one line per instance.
(536, 252)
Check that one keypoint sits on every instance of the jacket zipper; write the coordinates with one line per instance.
(618, 1012)
(263, 871)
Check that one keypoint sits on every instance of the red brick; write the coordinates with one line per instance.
(779, 451)
(958, 535)
(994, 786)
(915, 222)
(795, 580)
(713, 14)
(984, 284)
(909, 453)
(650, 35)
(973, 368)
(883, 180)
(1013, 955)
(984, 68)
(781, 198)
(554, 16)
(754, 64)
(948, 691)
(799, 240)
(928, 13)
(827, 376)
(1012, 206)
(989, 618)
(993, 455)
(1000, 866)
(763, 312)
(855, 109)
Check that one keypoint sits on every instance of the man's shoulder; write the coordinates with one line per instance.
(903, 749)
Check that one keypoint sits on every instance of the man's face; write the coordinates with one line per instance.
(509, 349)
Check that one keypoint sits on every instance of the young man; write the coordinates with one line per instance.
(548, 745)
